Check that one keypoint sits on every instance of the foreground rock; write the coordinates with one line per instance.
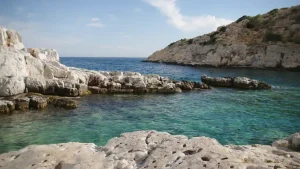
(292, 142)
(271, 40)
(151, 149)
(237, 82)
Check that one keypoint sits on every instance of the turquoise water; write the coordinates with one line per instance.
(231, 116)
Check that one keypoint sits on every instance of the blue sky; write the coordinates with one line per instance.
(122, 28)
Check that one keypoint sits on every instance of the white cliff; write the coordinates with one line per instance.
(271, 40)
(39, 70)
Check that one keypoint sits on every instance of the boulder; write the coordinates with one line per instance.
(58, 70)
(185, 85)
(292, 142)
(37, 102)
(217, 81)
(97, 90)
(22, 104)
(65, 103)
(96, 79)
(6, 106)
(10, 86)
(10, 38)
(114, 85)
(35, 85)
(169, 88)
(140, 85)
(37, 69)
(246, 83)
(44, 54)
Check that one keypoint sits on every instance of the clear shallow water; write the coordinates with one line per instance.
(231, 116)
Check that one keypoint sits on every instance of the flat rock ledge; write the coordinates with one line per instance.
(155, 150)
(235, 82)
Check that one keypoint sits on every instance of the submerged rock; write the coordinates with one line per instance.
(22, 104)
(152, 150)
(237, 82)
(65, 103)
(217, 81)
(246, 83)
(37, 102)
(6, 106)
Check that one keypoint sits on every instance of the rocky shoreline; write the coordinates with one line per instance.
(39, 73)
(152, 149)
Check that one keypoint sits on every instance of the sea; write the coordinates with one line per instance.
(231, 116)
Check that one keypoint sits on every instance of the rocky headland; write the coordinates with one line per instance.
(271, 40)
(30, 77)
(156, 150)
(39, 74)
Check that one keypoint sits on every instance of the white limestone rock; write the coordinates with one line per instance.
(10, 38)
(11, 85)
(44, 54)
(151, 149)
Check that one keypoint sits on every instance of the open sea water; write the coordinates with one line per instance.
(231, 116)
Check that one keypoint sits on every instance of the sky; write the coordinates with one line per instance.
(122, 28)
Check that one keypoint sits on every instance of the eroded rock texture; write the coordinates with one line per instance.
(151, 149)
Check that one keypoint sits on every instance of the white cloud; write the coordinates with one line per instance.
(94, 19)
(187, 23)
(95, 23)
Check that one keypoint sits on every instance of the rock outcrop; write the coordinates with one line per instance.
(38, 70)
(271, 40)
(152, 150)
(236, 82)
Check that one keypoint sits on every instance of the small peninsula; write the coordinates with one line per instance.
(271, 40)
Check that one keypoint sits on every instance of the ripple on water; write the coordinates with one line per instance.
(230, 116)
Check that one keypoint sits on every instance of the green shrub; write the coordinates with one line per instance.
(270, 36)
(273, 12)
(297, 19)
(213, 34)
(223, 29)
(296, 39)
(254, 22)
(190, 41)
(243, 18)
(294, 9)
(250, 25)
(171, 44)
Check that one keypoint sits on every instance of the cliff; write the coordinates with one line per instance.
(36, 70)
(271, 40)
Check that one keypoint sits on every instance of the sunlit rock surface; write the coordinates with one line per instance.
(151, 149)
